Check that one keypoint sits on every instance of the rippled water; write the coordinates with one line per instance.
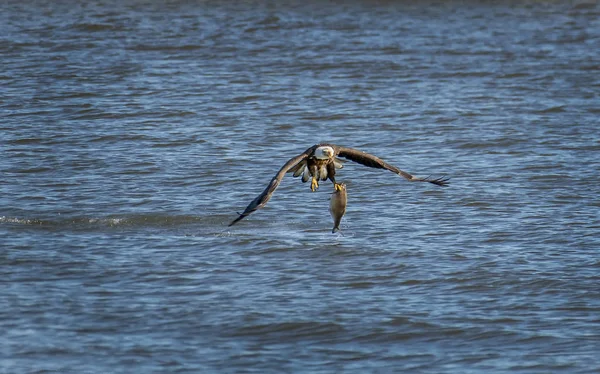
(132, 133)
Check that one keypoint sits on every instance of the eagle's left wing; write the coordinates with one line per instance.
(375, 162)
(262, 199)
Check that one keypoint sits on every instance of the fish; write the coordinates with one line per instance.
(337, 205)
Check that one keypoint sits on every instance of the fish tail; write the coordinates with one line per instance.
(335, 229)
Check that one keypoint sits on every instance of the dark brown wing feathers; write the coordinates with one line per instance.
(262, 199)
(375, 162)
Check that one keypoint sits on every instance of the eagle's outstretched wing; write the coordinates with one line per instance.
(375, 162)
(262, 199)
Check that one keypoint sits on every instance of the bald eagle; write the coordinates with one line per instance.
(320, 162)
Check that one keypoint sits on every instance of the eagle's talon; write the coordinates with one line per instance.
(337, 187)
(314, 184)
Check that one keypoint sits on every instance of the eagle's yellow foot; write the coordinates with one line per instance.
(314, 184)
(337, 186)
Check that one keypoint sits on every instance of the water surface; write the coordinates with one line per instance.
(130, 134)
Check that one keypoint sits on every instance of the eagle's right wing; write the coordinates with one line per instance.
(262, 199)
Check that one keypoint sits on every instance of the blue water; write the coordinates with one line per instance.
(131, 134)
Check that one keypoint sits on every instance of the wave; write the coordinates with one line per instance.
(132, 221)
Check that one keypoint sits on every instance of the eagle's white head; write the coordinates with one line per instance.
(324, 152)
